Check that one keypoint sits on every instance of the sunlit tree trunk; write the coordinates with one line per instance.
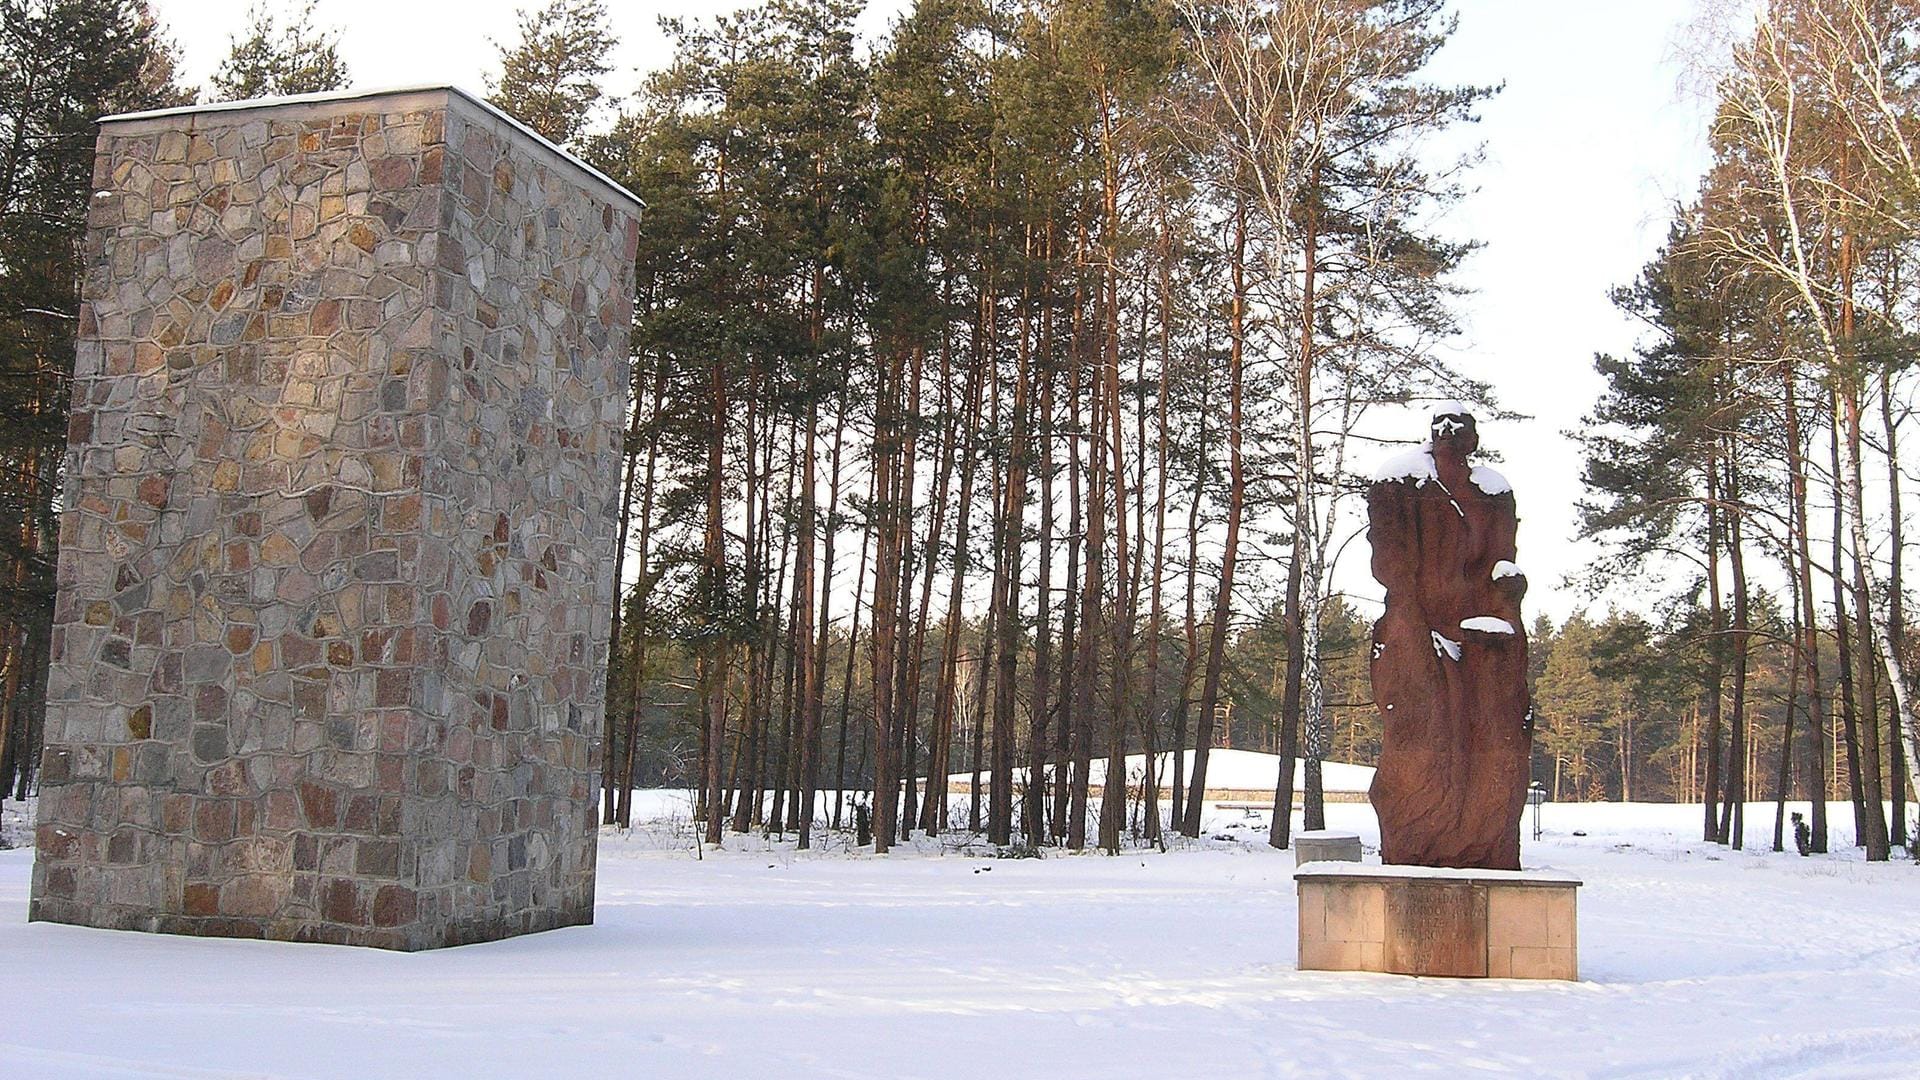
(1236, 501)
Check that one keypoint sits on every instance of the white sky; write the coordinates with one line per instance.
(1588, 148)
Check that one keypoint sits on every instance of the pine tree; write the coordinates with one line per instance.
(274, 60)
(550, 78)
(1571, 703)
(997, 264)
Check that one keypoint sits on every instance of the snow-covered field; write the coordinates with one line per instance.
(1227, 769)
(760, 962)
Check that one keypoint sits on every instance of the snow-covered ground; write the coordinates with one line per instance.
(759, 962)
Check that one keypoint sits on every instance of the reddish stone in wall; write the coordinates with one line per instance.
(1449, 659)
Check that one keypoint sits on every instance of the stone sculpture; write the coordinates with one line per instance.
(337, 553)
(1449, 660)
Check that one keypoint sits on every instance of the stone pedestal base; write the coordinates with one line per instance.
(1415, 920)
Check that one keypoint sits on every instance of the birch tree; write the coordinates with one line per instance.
(1821, 101)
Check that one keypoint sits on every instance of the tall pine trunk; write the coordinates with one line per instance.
(1156, 578)
(1807, 616)
(1006, 591)
(1039, 712)
(1113, 797)
(1896, 598)
(1716, 651)
(711, 666)
(1236, 501)
(1733, 812)
(817, 678)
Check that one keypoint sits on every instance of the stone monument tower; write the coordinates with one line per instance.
(337, 541)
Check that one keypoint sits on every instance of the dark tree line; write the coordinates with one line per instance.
(992, 390)
(999, 389)
(970, 369)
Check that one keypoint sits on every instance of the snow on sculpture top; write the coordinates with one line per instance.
(1415, 465)
(1489, 481)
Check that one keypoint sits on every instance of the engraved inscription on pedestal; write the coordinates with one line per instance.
(1439, 928)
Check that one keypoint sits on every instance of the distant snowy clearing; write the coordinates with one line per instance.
(1227, 770)
(756, 961)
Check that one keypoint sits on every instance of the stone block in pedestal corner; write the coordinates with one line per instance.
(1414, 920)
(336, 561)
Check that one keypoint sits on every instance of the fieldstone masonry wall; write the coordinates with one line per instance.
(337, 555)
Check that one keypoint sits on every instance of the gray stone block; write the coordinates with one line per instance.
(1325, 845)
